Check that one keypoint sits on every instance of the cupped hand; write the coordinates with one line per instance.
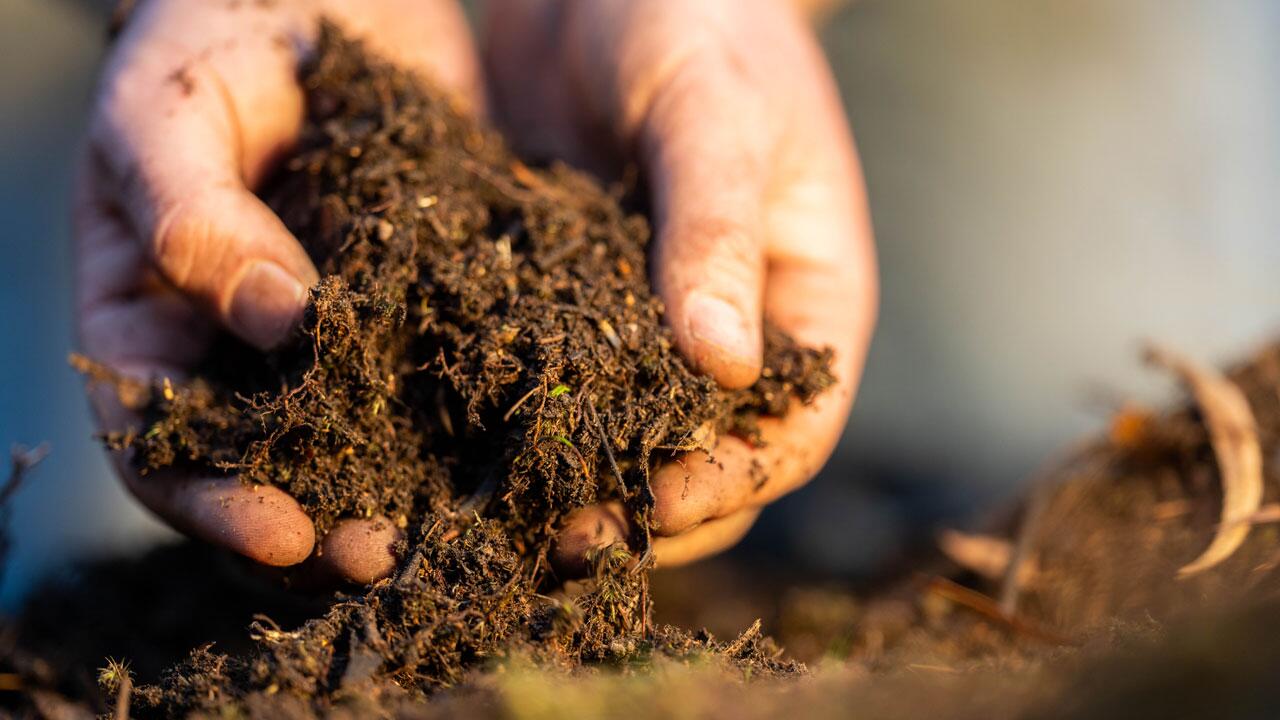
(731, 113)
(198, 99)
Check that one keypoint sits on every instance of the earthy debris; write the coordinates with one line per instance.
(1234, 434)
(21, 461)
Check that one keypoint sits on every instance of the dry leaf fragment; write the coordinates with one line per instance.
(1234, 436)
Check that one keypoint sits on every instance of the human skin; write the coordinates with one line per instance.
(726, 105)
(730, 111)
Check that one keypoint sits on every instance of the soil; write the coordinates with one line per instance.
(482, 356)
(477, 317)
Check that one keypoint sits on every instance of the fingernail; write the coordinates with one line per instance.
(266, 304)
(714, 321)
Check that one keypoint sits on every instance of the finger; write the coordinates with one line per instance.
(737, 474)
(531, 99)
(124, 314)
(584, 530)
(198, 103)
(261, 522)
(710, 538)
(170, 144)
(703, 152)
(822, 291)
(359, 551)
(598, 526)
(143, 330)
(675, 92)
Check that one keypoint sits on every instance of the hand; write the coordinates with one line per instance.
(198, 99)
(759, 208)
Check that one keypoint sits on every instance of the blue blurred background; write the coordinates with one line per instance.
(1051, 181)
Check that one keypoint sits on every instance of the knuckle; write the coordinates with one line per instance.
(721, 237)
(710, 250)
(179, 235)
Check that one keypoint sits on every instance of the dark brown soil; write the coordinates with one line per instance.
(483, 355)
(483, 329)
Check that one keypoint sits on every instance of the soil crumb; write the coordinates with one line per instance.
(483, 355)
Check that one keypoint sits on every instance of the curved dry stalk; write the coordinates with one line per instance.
(1233, 433)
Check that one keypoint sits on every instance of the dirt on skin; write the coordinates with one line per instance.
(482, 356)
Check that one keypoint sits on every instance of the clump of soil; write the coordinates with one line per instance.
(483, 355)
(482, 328)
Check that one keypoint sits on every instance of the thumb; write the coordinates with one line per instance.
(171, 152)
(704, 153)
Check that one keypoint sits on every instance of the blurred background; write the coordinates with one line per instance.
(1052, 182)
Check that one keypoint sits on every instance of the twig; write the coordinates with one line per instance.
(116, 674)
(479, 499)
(409, 574)
(1042, 487)
(1020, 553)
(22, 461)
(737, 646)
(933, 668)
(498, 183)
(608, 449)
(520, 402)
(123, 696)
(989, 609)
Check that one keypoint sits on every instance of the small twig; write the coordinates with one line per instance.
(1020, 552)
(409, 574)
(561, 253)
(1267, 514)
(520, 402)
(116, 674)
(498, 183)
(990, 609)
(479, 499)
(1042, 489)
(737, 646)
(608, 449)
(22, 460)
(933, 668)
(123, 696)
(132, 393)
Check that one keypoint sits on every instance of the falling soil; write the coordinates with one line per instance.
(485, 355)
